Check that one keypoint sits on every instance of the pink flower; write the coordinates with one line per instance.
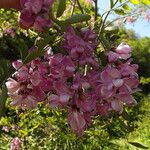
(85, 102)
(112, 56)
(123, 48)
(131, 19)
(117, 105)
(147, 17)
(80, 82)
(10, 32)
(76, 121)
(40, 23)
(36, 78)
(80, 48)
(123, 51)
(15, 144)
(12, 86)
(103, 109)
(118, 22)
(28, 102)
(34, 6)
(110, 80)
(27, 19)
(63, 90)
(53, 101)
(35, 13)
(128, 69)
(61, 66)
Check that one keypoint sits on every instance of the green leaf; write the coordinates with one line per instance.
(39, 51)
(135, 2)
(126, 7)
(111, 4)
(138, 145)
(61, 8)
(3, 98)
(112, 29)
(125, 115)
(77, 18)
(33, 55)
(72, 20)
(23, 49)
(4, 69)
(121, 1)
(120, 12)
(147, 2)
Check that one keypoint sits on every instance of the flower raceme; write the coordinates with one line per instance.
(34, 13)
(73, 81)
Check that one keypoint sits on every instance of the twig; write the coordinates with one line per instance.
(74, 4)
(103, 23)
(96, 10)
(80, 7)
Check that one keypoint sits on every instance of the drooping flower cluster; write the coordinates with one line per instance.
(35, 13)
(74, 81)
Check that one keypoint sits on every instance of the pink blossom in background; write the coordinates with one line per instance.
(131, 19)
(118, 22)
(10, 32)
(15, 144)
(147, 17)
(88, 1)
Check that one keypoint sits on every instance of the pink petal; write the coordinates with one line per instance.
(117, 106)
(118, 82)
(123, 48)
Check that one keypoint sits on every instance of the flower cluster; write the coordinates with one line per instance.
(35, 13)
(73, 81)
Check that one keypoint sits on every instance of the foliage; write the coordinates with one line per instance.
(47, 129)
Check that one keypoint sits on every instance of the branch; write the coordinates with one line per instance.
(103, 23)
(96, 10)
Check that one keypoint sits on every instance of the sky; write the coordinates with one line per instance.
(141, 27)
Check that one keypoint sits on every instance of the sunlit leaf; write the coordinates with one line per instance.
(61, 7)
(135, 1)
(138, 145)
(78, 18)
(120, 12)
(147, 2)
(126, 7)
